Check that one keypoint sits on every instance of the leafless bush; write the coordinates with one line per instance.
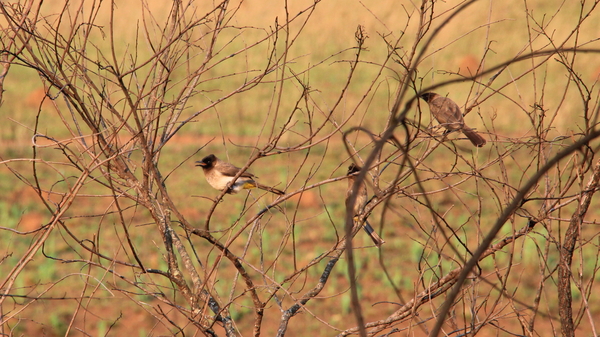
(479, 219)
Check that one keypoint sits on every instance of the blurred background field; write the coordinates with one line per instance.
(486, 34)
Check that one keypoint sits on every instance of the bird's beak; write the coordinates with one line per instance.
(200, 163)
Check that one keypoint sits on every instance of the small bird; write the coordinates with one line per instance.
(360, 203)
(448, 114)
(219, 173)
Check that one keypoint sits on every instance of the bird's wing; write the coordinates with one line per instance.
(443, 104)
(230, 170)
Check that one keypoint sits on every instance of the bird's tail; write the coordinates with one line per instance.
(376, 238)
(269, 189)
(474, 137)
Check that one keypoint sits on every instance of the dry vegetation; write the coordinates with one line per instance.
(108, 228)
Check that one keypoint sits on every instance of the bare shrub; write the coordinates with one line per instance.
(478, 241)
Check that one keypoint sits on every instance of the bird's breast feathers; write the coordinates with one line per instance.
(219, 181)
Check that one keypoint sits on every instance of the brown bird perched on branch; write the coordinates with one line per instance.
(448, 115)
(219, 173)
(360, 203)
